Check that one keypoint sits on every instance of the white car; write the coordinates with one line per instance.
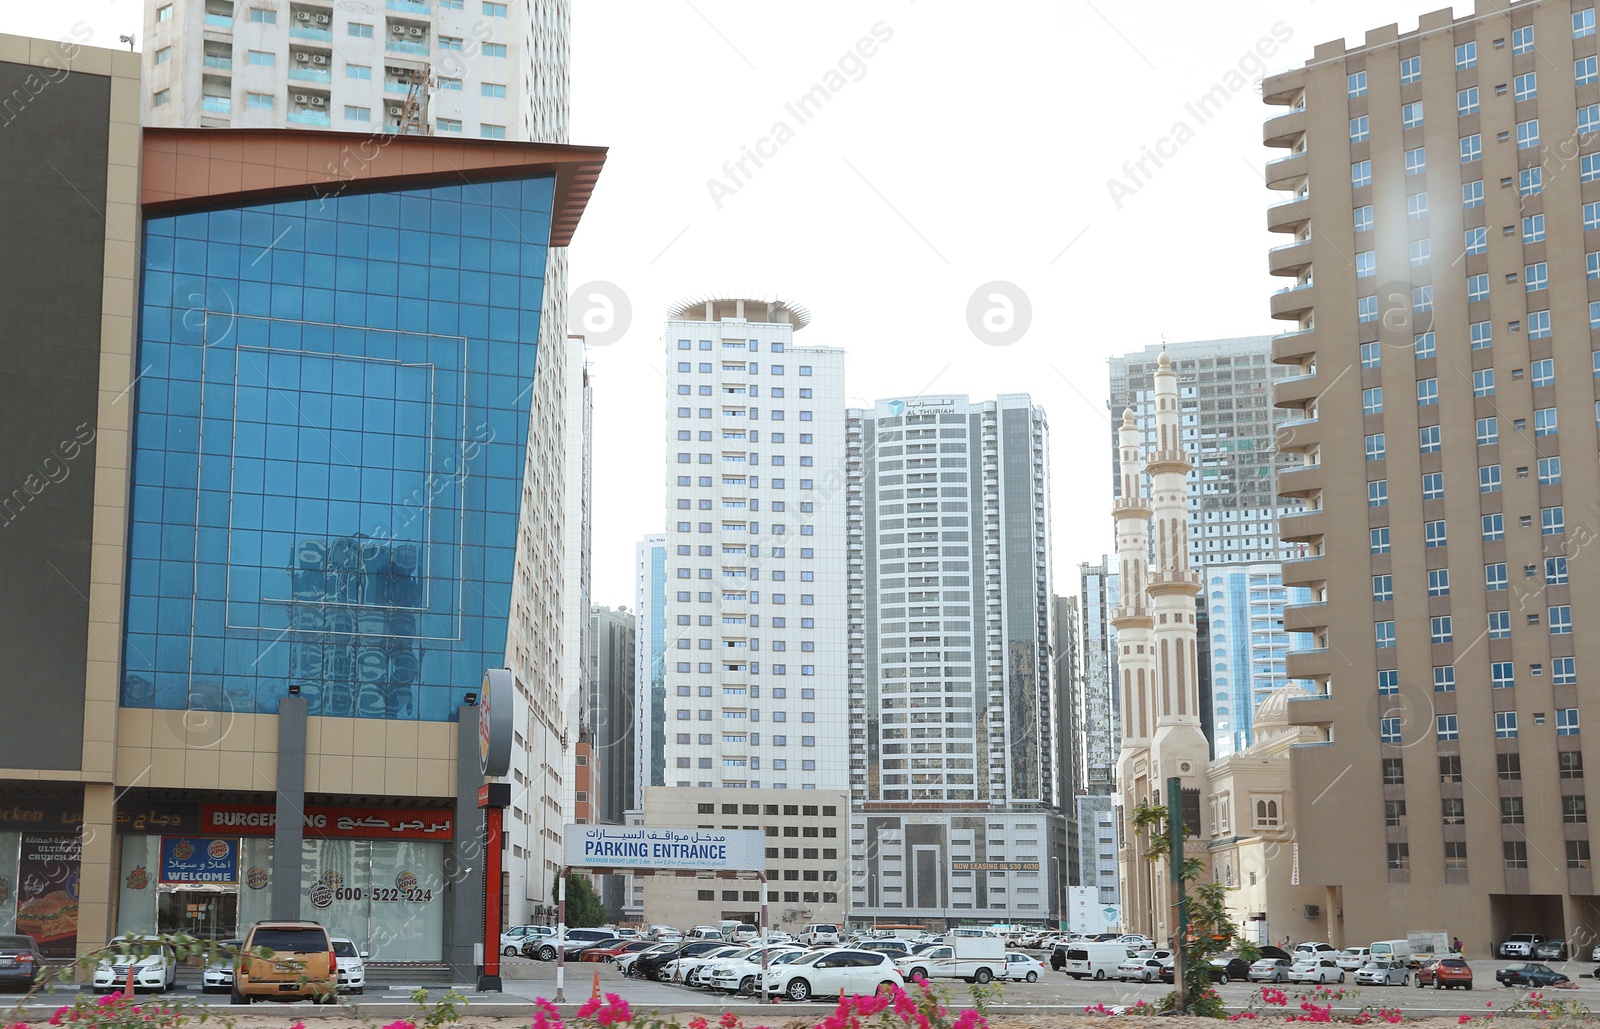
(825, 973)
(352, 966)
(1133, 941)
(1317, 950)
(708, 965)
(1139, 969)
(1383, 973)
(1023, 968)
(218, 974)
(745, 976)
(683, 969)
(513, 938)
(1316, 970)
(812, 935)
(1353, 958)
(156, 969)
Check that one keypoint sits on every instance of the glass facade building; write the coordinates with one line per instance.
(329, 437)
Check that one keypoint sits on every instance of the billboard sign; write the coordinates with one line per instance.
(641, 846)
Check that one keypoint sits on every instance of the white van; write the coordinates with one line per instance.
(1095, 960)
(1392, 950)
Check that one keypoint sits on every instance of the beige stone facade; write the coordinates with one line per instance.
(1442, 212)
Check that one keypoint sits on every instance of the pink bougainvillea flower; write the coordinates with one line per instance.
(1463, 1019)
(697, 1022)
(728, 1020)
(590, 1006)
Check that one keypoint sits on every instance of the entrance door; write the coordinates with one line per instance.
(206, 914)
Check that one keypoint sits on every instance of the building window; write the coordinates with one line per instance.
(494, 49)
(1505, 725)
(1360, 174)
(262, 16)
(1388, 682)
(1433, 533)
(1363, 218)
(1444, 678)
(1525, 87)
(1472, 194)
(161, 98)
(1489, 478)
(1477, 240)
(1416, 206)
(359, 30)
(1564, 671)
(357, 113)
(1383, 634)
(1371, 355)
(1522, 40)
(1583, 23)
(1561, 620)
(1432, 485)
(1530, 182)
(1399, 855)
(1382, 589)
(1394, 771)
(1586, 70)
(1536, 276)
(1366, 264)
(1359, 129)
(1372, 400)
(1440, 628)
(1356, 84)
(1477, 287)
(1378, 540)
(1427, 392)
(1410, 70)
(1428, 438)
(1445, 727)
(1578, 850)
(1411, 115)
(1375, 447)
(493, 89)
(492, 131)
(1516, 853)
(1438, 582)
(164, 13)
(1511, 808)
(163, 55)
(1495, 578)
(1378, 493)
(1394, 811)
(1483, 382)
(1552, 521)
(1543, 372)
(1555, 571)
(1566, 721)
(1499, 625)
(1544, 421)
(1488, 431)
(1502, 675)
(454, 125)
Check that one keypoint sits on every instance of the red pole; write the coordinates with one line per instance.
(492, 913)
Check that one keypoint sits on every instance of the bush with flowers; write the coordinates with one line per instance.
(116, 1011)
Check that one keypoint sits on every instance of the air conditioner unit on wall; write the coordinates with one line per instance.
(398, 30)
(416, 31)
(397, 111)
(302, 56)
(320, 59)
(322, 19)
(299, 98)
(304, 15)
(319, 101)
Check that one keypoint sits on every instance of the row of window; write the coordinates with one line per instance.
(1522, 42)
(1442, 627)
(1453, 811)
(1446, 727)
(752, 390)
(1495, 579)
(1493, 528)
(1508, 767)
(1489, 481)
(1515, 854)
(1502, 675)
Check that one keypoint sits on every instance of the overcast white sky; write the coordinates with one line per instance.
(975, 145)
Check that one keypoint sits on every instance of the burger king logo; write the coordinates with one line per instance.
(321, 895)
(256, 878)
(138, 879)
(332, 879)
(406, 881)
(218, 849)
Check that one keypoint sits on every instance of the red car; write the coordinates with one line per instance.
(1445, 973)
(609, 953)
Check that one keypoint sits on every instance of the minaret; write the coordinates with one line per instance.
(1136, 665)
(1178, 747)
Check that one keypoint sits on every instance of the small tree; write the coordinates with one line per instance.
(584, 906)
(1211, 929)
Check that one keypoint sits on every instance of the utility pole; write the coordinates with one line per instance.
(1180, 902)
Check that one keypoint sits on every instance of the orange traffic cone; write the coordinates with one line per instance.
(127, 990)
(594, 993)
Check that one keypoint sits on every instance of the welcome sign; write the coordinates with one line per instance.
(199, 859)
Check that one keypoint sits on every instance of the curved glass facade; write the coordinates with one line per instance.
(330, 429)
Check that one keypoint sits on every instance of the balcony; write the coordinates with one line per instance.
(1294, 391)
(1305, 617)
(420, 7)
(1305, 571)
(1287, 172)
(1284, 130)
(1310, 664)
(1291, 215)
(1290, 347)
(308, 73)
(317, 119)
(1298, 434)
(1313, 709)
(217, 104)
(218, 62)
(1307, 527)
(300, 30)
(1290, 258)
(1294, 303)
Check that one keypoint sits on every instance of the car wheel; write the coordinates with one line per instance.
(918, 973)
(799, 990)
(1278, 977)
(235, 997)
(747, 986)
(547, 953)
(1341, 978)
(1438, 985)
(885, 988)
(983, 975)
(1405, 980)
(510, 952)
(1099, 975)
(1469, 986)
(1033, 977)
(1222, 980)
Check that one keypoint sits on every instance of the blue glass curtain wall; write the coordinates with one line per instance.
(330, 427)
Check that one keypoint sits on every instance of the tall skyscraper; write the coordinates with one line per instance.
(1226, 425)
(613, 639)
(429, 67)
(1066, 717)
(1447, 584)
(754, 612)
(953, 766)
(1247, 645)
(649, 690)
(1102, 702)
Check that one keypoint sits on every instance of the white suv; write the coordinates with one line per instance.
(812, 935)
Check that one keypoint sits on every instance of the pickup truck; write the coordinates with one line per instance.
(977, 959)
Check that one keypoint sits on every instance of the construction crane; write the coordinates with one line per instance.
(414, 115)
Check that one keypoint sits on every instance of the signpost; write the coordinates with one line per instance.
(494, 752)
(648, 849)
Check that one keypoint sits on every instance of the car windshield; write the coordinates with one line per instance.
(344, 948)
(785, 958)
(16, 942)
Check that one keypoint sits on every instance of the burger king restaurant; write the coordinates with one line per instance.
(373, 874)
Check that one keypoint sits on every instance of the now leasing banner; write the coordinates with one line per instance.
(637, 846)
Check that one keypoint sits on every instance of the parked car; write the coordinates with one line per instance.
(685, 969)
(895, 948)
(1142, 969)
(1236, 967)
(1317, 950)
(820, 933)
(625, 961)
(611, 951)
(1135, 941)
(744, 977)
(1530, 973)
(155, 967)
(653, 964)
(544, 947)
(1270, 970)
(1024, 967)
(352, 965)
(1354, 957)
(825, 973)
(1521, 945)
(1316, 970)
(1383, 973)
(302, 964)
(218, 974)
(21, 962)
(1452, 973)
(512, 939)
(1425, 970)
(1551, 950)
(1217, 973)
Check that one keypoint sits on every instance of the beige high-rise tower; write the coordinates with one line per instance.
(1443, 210)
(1155, 626)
